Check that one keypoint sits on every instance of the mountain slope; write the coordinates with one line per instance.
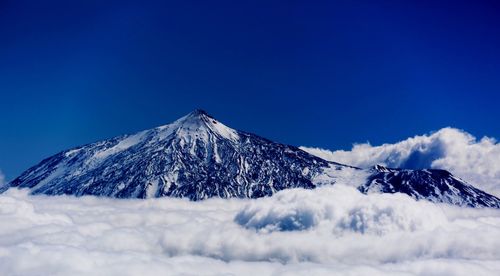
(197, 157)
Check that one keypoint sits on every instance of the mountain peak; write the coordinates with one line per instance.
(199, 112)
(197, 116)
(199, 123)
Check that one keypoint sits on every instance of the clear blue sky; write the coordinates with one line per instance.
(310, 73)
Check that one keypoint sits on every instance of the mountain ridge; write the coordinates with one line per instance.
(198, 157)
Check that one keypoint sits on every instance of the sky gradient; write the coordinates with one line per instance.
(324, 74)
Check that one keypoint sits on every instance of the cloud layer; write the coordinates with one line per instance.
(327, 231)
(332, 230)
(474, 160)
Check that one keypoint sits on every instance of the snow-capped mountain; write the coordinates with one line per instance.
(431, 184)
(197, 157)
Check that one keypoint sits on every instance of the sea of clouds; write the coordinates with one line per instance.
(332, 230)
(475, 160)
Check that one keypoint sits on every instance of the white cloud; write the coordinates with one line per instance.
(333, 230)
(327, 231)
(474, 160)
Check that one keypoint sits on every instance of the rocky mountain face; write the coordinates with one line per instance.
(430, 184)
(197, 157)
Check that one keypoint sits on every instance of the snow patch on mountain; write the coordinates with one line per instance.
(475, 160)
(341, 174)
(123, 144)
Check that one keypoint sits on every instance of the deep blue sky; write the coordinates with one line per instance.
(323, 74)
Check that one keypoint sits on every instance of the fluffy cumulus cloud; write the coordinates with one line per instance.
(332, 230)
(474, 160)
